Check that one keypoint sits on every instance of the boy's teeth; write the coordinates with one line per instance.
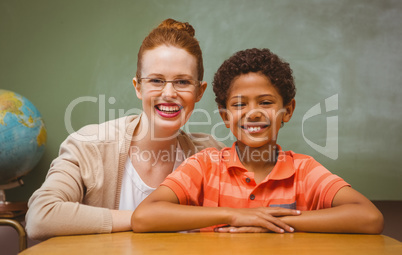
(253, 129)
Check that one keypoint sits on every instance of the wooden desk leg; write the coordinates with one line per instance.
(20, 229)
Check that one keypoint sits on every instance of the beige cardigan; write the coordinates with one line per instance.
(84, 181)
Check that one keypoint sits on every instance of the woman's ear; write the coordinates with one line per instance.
(225, 116)
(290, 107)
(137, 87)
(200, 91)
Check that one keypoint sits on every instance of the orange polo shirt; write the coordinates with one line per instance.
(218, 179)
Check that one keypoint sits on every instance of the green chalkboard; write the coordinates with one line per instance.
(75, 60)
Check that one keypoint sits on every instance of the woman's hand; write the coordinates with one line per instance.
(121, 220)
(261, 219)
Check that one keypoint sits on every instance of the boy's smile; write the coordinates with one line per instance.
(255, 127)
(254, 110)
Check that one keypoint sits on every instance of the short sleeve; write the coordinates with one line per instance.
(187, 181)
(320, 185)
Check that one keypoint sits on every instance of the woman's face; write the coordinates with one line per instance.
(167, 110)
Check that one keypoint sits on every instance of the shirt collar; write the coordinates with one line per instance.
(284, 167)
(230, 157)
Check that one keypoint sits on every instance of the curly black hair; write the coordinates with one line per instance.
(254, 61)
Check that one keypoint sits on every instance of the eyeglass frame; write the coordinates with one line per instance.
(198, 83)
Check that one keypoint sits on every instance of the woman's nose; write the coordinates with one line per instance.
(169, 91)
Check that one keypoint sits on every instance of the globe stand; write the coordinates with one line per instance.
(10, 211)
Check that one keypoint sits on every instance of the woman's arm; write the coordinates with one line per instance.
(50, 215)
(351, 212)
(121, 220)
(161, 212)
(57, 207)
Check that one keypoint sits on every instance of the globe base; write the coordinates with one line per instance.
(11, 209)
(11, 214)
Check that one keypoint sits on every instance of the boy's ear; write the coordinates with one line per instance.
(137, 87)
(225, 116)
(200, 91)
(290, 107)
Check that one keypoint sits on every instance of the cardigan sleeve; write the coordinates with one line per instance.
(57, 208)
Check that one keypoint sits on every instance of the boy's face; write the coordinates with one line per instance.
(254, 110)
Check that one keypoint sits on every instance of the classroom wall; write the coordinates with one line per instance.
(346, 57)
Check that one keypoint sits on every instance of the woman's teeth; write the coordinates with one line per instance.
(168, 108)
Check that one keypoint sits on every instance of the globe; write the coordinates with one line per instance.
(22, 136)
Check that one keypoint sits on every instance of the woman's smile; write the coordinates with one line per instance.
(168, 110)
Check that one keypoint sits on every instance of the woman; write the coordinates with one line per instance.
(104, 171)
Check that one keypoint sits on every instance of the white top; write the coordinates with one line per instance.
(134, 189)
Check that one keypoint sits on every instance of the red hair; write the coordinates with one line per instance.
(172, 33)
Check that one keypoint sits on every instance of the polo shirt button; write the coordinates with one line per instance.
(248, 180)
(252, 197)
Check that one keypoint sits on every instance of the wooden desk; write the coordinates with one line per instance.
(218, 243)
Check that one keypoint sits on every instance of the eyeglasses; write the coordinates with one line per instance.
(178, 84)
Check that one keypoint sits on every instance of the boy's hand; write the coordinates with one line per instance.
(230, 229)
(257, 219)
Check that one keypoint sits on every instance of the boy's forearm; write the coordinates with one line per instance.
(161, 212)
(164, 216)
(349, 218)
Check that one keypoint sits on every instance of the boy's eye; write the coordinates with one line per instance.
(238, 105)
(266, 103)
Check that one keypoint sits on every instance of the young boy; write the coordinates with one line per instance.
(254, 186)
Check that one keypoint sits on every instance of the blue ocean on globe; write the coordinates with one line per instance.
(22, 136)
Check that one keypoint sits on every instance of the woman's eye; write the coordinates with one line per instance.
(157, 81)
(182, 83)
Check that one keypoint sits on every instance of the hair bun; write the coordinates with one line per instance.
(173, 24)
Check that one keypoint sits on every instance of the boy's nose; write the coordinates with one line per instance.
(169, 91)
(254, 114)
